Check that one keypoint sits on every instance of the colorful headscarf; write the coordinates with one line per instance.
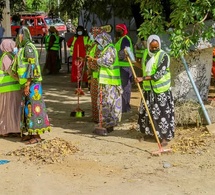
(96, 30)
(7, 45)
(103, 39)
(26, 36)
(122, 27)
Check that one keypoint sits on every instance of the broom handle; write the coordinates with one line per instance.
(78, 72)
(100, 106)
(144, 101)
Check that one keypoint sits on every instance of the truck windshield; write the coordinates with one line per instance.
(49, 21)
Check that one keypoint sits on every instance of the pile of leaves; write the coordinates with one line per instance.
(192, 140)
(47, 152)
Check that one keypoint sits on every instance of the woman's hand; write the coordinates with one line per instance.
(27, 90)
(138, 79)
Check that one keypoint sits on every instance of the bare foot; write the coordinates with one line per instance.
(164, 142)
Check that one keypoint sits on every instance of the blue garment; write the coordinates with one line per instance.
(126, 77)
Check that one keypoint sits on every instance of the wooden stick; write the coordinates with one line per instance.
(145, 104)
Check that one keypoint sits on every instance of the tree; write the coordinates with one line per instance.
(185, 20)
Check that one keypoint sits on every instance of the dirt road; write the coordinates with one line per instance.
(120, 163)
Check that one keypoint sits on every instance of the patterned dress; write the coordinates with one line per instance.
(94, 86)
(111, 99)
(34, 118)
(161, 108)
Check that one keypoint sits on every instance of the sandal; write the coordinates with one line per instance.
(26, 137)
(33, 141)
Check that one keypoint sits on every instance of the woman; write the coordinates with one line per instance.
(34, 119)
(93, 70)
(10, 92)
(78, 48)
(157, 92)
(52, 45)
(109, 84)
(123, 40)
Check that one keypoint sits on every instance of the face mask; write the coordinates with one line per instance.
(100, 47)
(15, 50)
(80, 32)
(118, 34)
(155, 51)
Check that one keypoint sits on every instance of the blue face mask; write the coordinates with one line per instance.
(100, 47)
(15, 50)
(80, 32)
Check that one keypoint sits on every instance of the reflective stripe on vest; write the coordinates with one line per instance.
(111, 75)
(139, 53)
(23, 64)
(7, 83)
(56, 45)
(73, 43)
(118, 48)
(164, 83)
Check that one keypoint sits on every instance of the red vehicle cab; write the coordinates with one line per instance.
(38, 23)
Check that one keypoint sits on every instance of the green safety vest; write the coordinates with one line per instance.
(161, 85)
(7, 83)
(23, 64)
(118, 48)
(56, 45)
(111, 75)
(73, 43)
(139, 53)
(92, 53)
(214, 59)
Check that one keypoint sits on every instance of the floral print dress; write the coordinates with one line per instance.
(34, 118)
(161, 108)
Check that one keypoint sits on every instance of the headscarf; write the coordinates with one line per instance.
(96, 30)
(122, 27)
(150, 63)
(150, 39)
(103, 39)
(26, 36)
(7, 45)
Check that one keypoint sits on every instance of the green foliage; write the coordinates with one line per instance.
(186, 21)
(185, 18)
(2, 6)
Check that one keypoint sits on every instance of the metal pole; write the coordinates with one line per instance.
(195, 89)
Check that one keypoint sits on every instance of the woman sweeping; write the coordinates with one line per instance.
(109, 84)
(93, 70)
(157, 92)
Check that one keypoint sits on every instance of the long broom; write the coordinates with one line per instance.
(130, 56)
(78, 112)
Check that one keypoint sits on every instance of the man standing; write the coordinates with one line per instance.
(122, 41)
(52, 45)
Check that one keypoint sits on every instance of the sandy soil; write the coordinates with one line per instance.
(120, 163)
